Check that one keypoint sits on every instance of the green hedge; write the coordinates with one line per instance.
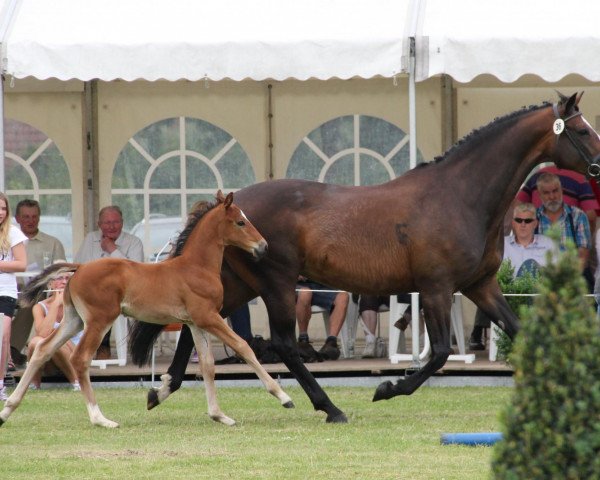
(552, 426)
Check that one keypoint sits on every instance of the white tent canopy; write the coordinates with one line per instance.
(508, 39)
(195, 39)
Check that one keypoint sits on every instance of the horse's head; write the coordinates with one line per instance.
(577, 144)
(239, 231)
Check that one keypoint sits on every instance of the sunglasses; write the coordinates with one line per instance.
(524, 220)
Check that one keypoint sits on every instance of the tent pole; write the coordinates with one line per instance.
(412, 107)
(2, 133)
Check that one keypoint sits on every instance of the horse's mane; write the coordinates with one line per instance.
(480, 132)
(194, 217)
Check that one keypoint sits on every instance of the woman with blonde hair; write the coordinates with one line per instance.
(47, 316)
(13, 258)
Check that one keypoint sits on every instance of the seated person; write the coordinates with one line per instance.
(368, 306)
(526, 251)
(47, 316)
(336, 303)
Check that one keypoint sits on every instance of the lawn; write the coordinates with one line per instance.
(50, 436)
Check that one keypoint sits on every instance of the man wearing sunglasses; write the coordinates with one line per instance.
(526, 251)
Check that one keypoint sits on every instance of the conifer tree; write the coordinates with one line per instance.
(551, 429)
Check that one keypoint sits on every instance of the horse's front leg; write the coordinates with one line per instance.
(97, 325)
(217, 326)
(43, 352)
(436, 309)
(282, 320)
(207, 369)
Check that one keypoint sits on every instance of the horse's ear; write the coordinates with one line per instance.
(219, 196)
(571, 103)
(228, 200)
(562, 98)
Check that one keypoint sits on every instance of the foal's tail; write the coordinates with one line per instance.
(37, 285)
(142, 336)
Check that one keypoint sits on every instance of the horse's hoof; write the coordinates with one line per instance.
(152, 399)
(1, 422)
(289, 404)
(339, 418)
(384, 391)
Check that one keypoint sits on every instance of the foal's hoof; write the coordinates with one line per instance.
(153, 400)
(339, 418)
(289, 404)
(384, 391)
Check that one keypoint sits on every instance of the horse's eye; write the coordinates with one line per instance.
(583, 131)
(241, 223)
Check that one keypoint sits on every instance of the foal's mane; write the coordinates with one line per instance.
(480, 133)
(194, 217)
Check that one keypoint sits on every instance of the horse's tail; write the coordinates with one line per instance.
(142, 336)
(37, 285)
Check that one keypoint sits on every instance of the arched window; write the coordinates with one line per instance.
(168, 166)
(352, 150)
(35, 168)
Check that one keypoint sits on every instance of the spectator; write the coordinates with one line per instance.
(336, 303)
(577, 192)
(27, 215)
(573, 222)
(526, 251)
(13, 258)
(368, 306)
(110, 241)
(47, 316)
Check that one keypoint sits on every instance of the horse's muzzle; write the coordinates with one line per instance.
(260, 250)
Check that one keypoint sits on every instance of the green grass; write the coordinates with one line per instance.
(50, 436)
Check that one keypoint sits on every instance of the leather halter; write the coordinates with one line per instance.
(593, 163)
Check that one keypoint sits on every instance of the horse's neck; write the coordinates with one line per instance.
(205, 245)
(491, 174)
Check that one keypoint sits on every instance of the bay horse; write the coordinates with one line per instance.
(186, 288)
(435, 230)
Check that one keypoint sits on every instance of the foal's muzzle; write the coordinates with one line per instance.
(260, 250)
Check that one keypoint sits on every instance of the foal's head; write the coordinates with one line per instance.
(237, 229)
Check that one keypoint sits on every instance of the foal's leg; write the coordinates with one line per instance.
(42, 353)
(219, 328)
(207, 367)
(437, 318)
(96, 328)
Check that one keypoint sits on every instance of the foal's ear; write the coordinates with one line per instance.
(228, 200)
(219, 196)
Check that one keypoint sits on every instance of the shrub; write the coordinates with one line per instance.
(551, 428)
(525, 283)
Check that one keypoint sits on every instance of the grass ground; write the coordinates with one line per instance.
(50, 436)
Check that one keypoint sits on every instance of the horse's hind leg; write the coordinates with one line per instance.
(96, 328)
(207, 367)
(488, 297)
(218, 327)
(437, 318)
(42, 354)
